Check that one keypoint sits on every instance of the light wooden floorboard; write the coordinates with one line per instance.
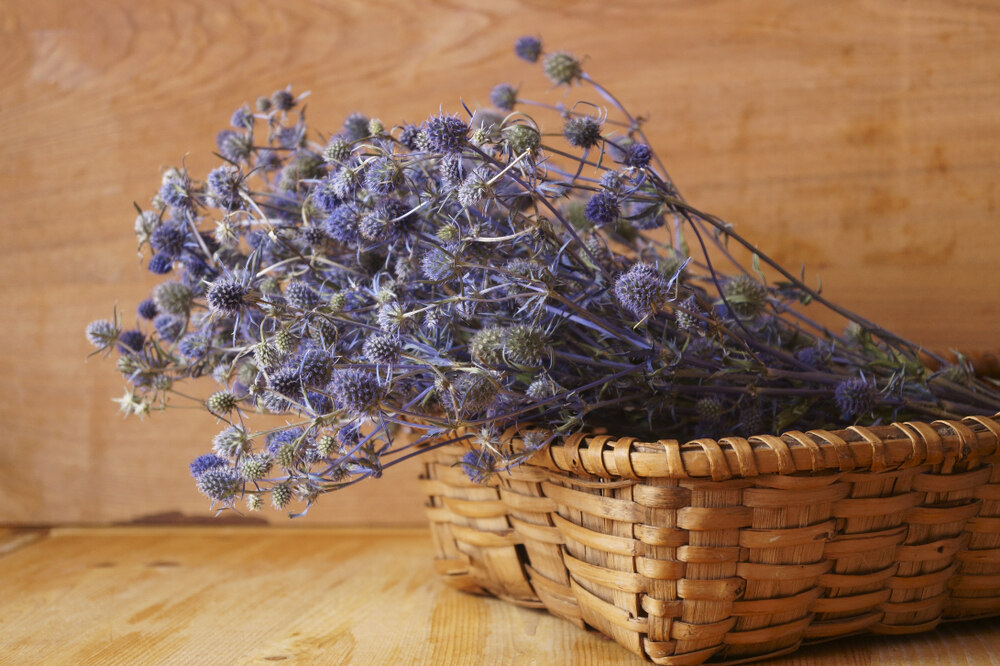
(211, 595)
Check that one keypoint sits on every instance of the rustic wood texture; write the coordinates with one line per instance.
(859, 137)
(317, 596)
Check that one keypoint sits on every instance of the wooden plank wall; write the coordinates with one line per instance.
(862, 137)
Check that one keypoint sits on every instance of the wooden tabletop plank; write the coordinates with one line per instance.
(317, 596)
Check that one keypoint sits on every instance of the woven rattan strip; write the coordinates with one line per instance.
(734, 549)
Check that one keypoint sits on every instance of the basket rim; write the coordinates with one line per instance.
(856, 448)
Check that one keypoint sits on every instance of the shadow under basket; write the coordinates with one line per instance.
(735, 549)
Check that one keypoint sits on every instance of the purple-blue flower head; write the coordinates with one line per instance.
(356, 127)
(408, 137)
(582, 132)
(528, 48)
(282, 100)
(287, 381)
(641, 290)
(291, 137)
(342, 225)
(637, 155)
(315, 367)
(300, 295)
(446, 133)
(438, 264)
(375, 228)
(855, 397)
(102, 333)
(194, 345)
(168, 327)
(267, 160)
(226, 295)
(450, 171)
(206, 462)
(602, 208)
(383, 175)
(314, 236)
(278, 439)
(168, 239)
(234, 146)
(381, 348)
(176, 193)
(160, 264)
(224, 184)
(356, 391)
(131, 341)
(325, 195)
(147, 309)
(479, 466)
(504, 96)
(242, 118)
(219, 483)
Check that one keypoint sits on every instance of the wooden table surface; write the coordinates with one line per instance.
(225, 595)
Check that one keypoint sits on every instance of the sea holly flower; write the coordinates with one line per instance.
(642, 290)
(528, 48)
(602, 208)
(445, 133)
(102, 333)
(855, 397)
(562, 68)
(504, 96)
(582, 132)
(227, 295)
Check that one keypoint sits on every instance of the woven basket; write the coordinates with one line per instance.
(737, 549)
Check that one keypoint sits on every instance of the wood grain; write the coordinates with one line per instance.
(318, 596)
(861, 137)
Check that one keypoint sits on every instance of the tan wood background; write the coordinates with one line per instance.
(861, 137)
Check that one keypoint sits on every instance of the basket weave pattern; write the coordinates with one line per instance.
(736, 549)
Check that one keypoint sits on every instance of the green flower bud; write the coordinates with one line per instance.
(265, 355)
(525, 346)
(255, 467)
(337, 150)
(173, 298)
(337, 302)
(562, 68)
(280, 497)
(326, 445)
(447, 232)
(522, 138)
(231, 442)
(221, 402)
(710, 409)
(486, 346)
(283, 340)
(286, 455)
(746, 296)
(127, 364)
(254, 502)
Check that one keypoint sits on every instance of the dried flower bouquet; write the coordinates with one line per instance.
(472, 272)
